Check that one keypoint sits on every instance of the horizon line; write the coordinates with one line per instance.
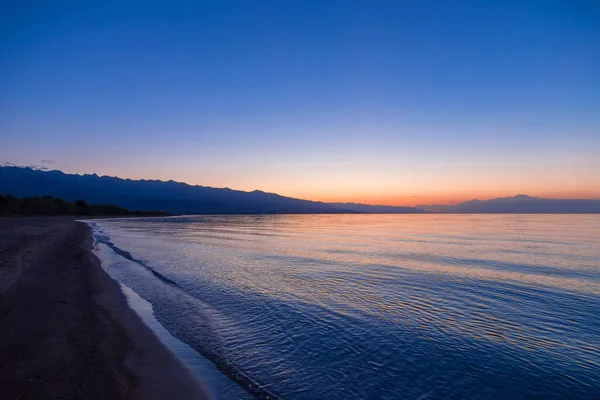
(42, 168)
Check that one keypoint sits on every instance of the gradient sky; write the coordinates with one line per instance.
(399, 102)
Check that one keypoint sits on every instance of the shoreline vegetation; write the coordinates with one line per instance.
(67, 330)
(50, 205)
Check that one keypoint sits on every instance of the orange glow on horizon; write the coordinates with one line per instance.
(445, 199)
(392, 190)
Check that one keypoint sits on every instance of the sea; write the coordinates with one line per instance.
(435, 306)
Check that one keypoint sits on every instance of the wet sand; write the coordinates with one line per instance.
(66, 330)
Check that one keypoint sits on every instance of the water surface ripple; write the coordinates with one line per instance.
(376, 306)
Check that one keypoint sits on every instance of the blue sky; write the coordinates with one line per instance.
(393, 102)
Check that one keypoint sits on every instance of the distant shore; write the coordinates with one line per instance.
(66, 330)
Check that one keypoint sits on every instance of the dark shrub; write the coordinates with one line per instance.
(81, 204)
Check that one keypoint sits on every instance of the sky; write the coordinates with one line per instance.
(383, 102)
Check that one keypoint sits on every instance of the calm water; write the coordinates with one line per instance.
(376, 306)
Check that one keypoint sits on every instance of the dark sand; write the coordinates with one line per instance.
(66, 331)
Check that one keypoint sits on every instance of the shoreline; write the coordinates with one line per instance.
(219, 385)
(66, 328)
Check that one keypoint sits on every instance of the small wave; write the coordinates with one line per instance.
(127, 255)
(223, 365)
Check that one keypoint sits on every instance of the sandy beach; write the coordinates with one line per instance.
(66, 330)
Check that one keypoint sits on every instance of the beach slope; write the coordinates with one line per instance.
(66, 330)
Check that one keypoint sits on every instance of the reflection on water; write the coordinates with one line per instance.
(377, 306)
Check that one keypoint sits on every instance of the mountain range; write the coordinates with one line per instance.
(172, 197)
(520, 204)
(181, 198)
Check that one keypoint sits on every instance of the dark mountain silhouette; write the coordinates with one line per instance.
(181, 198)
(377, 209)
(172, 197)
(521, 204)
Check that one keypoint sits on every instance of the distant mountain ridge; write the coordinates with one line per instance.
(377, 209)
(520, 204)
(172, 197)
(181, 198)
